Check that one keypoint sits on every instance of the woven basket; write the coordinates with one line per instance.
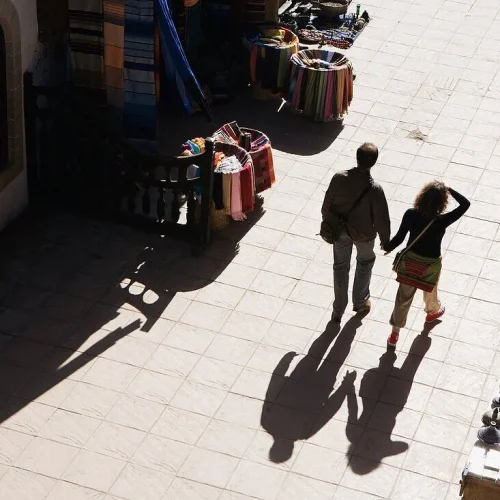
(218, 218)
(334, 8)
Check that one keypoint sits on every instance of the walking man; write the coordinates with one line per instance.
(359, 209)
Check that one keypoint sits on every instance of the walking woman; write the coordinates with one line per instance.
(419, 265)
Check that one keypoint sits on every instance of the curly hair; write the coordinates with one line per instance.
(432, 199)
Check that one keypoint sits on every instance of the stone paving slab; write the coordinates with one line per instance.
(132, 371)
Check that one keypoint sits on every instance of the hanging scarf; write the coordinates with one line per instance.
(247, 190)
(236, 202)
(226, 192)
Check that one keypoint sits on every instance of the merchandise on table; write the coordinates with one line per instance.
(333, 9)
(270, 51)
(320, 84)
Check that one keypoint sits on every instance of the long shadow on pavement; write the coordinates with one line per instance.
(375, 451)
(298, 406)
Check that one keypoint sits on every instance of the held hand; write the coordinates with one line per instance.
(349, 377)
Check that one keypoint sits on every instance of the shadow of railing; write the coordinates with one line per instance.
(49, 321)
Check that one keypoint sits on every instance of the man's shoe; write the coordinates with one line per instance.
(365, 308)
(435, 316)
(393, 338)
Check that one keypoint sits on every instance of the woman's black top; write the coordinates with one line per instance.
(429, 245)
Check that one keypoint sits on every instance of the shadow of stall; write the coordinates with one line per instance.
(73, 289)
(291, 132)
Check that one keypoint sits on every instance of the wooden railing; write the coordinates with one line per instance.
(142, 188)
(76, 158)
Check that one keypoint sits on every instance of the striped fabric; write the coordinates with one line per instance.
(86, 35)
(140, 103)
(420, 272)
(114, 21)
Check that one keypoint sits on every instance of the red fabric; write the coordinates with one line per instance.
(264, 167)
(419, 285)
(247, 191)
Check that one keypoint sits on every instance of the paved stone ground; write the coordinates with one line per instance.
(132, 371)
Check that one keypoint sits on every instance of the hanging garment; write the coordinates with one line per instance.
(226, 193)
(247, 191)
(177, 69)
(140, 110)
(114, 37)
(270, 51)
(86, 33)
(236, 199)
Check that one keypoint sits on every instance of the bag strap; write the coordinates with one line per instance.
(362, 195)
(356, 203)
(407, 249)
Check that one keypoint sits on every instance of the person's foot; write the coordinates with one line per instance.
(435, 316)
(364, 308)
(393, 338)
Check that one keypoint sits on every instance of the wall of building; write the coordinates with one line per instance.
(19, 22)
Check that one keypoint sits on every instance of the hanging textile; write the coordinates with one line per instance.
(86, 43)
(140, 107)
(255, 11)
(177, 69)
(178, 10)
(193, 30)
(235, 165)
(320, 84)
(114, 21)
(270, 52)
(234, 177)
(258, 145)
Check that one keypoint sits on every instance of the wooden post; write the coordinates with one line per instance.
(272, 7)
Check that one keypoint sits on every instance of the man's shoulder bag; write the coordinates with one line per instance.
(333, 225)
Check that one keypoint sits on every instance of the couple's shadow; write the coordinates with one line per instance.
(299, 405)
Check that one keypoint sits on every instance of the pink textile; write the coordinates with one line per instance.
(236, 201)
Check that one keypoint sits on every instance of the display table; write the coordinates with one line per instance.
(320, 84)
